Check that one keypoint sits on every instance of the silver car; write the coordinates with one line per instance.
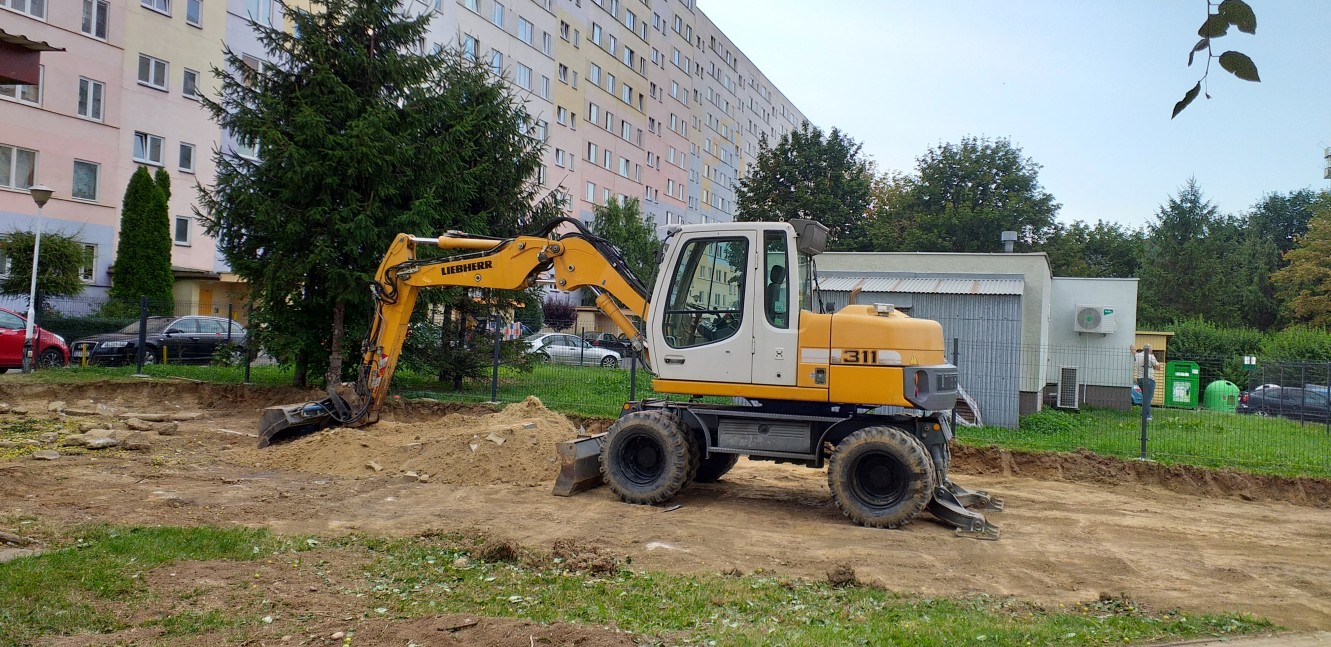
(559, 348)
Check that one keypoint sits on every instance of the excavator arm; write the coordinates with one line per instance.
(577, 259)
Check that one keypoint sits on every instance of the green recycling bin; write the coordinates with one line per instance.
(1182, 382)
(1221, 395)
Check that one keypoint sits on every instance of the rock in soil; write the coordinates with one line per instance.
(102, 442)
(45, 455)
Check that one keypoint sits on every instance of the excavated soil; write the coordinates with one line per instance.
(1075, 526)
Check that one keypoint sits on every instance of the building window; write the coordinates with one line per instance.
(628, 57)
(547, 44)
(497, 15)
(94, 18)
(469, 46)
(545, 87)
(31, 94)
(181, 231)
(525, 30)
(152, 72)
(609, 83)
(260, 11)
(497, 63)
(591, 152)
(160, 6)
(524, 77)
(89, 266)
(561, 115)
(591, 192)
(594, 74)
(593, 113)
(85, 180)
(248, 149)
(186, 157)
(194, 12)
(18, 167)
(148, 149)
(90, 98)
(626, 94)
(34, 8)
(471, 4)
(560, 156)
(623, 167)
(190, 85)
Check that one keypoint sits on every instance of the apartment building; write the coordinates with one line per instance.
(124, 94)
(638, 99)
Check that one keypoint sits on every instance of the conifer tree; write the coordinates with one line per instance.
(361, 133)
(143, 253)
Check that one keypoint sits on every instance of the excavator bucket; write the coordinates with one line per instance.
(289, 419)
(579, 465)
(950, 505)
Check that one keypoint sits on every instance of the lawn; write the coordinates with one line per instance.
(94, 582)
(1204, 438)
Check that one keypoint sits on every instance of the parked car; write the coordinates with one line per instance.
(175, 340)
(620, 344)
(50, 350)
(1286, 402)
(560, 348)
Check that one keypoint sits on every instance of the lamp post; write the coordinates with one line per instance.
(40, 194)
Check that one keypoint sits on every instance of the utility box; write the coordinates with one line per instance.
(1221, 395)
(1182, 382)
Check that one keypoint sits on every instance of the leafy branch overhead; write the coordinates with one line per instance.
(1229, 13)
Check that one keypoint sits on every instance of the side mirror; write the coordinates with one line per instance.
(173, 331)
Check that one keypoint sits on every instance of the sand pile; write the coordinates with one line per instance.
(515, 446)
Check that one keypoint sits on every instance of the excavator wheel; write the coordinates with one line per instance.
(647, 457)
(712, 468)
(881, 477)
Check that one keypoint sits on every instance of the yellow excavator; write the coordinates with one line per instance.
(860, 391)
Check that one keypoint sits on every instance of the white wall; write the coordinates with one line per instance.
(1102, 359)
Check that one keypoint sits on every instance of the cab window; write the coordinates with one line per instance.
(776, 295)
(706, 299)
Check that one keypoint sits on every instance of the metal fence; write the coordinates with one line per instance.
(1210, 411)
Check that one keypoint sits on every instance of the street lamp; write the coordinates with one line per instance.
(40, 194)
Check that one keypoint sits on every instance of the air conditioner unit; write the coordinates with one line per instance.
(1067, 389)
(1097, 319)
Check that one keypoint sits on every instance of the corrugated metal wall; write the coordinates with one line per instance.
(988, 330)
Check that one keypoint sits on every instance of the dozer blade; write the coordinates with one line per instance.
(290, 419)
(974, 498)
(579, 465)
(948, 508)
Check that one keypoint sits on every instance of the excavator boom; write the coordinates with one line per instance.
(577, 259)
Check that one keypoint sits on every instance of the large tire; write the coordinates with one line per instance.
(647, 457)
(881, 477)
(712, 468)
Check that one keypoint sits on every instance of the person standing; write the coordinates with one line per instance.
(1144, 359)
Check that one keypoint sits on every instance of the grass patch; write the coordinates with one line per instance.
(418, 577)
(1213, 439)
(69, 591)
(59, 592)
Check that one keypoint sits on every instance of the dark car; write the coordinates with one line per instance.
(1286, 402)
(620, 344)
(50, 351)
(170, 340)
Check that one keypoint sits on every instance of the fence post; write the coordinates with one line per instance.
(582, 348)
(249, 345)
(955, 358)
(494, 374)
(1144, 381)
(143, 332)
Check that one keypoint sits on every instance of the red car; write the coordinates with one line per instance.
(51, 351)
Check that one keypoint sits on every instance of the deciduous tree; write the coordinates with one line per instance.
(810, 174)
(964, 196)
(58, 269)
(623, 223)
(1305, 283)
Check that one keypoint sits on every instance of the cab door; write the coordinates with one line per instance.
(703, 327)
(776, 322)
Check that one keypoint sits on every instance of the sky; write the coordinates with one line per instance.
(1085, 89)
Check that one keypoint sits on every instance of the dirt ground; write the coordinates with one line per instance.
(1075, 525)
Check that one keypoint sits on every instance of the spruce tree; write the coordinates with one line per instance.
(361, 134)
(143, 252)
